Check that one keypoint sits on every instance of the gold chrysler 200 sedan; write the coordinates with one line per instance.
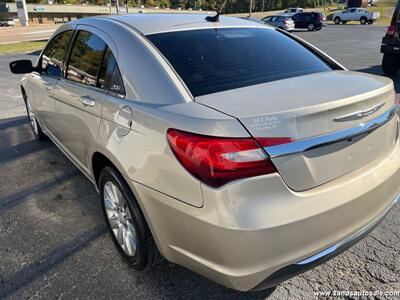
(231, 148)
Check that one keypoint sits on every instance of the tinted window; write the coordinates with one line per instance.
(54, 54)
(299, 16)
(85, 58)
(214, 60)
(109, 76)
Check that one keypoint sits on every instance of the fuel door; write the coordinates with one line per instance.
(124, 121)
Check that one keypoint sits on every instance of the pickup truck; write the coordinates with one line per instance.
(355, 14)
(291, 12)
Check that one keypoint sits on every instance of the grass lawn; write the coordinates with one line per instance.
(21, 47)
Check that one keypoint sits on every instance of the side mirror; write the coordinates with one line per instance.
(21, 66)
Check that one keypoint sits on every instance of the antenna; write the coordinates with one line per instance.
(219, 11)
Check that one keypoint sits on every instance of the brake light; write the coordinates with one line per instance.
(391, 30)
(218, 160)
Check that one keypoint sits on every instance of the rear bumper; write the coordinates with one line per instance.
(390, 49)
(256, 232)
(289, 27)
(325, 255)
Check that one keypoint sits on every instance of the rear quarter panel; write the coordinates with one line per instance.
(144, 154)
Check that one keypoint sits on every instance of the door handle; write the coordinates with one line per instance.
(88, 101)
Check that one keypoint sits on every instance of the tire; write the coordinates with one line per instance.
(36, 129)
(370, 22)
(146, 253)
(311, 27)
(390, 64)
(337, 20)
(363, 21)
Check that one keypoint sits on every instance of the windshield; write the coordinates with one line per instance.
(215, 60)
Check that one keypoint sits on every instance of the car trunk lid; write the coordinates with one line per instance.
(326, 114)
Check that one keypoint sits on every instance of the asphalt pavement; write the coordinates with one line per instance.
(54, 244)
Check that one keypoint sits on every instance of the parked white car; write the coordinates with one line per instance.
(7, 22)
(355, 14)
(291, 11)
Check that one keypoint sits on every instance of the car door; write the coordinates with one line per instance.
(274, 21)
(352, 15)
(359, 13)
(296, 20)
(78, 97)
(344, 16)
(302, 20)
(279, 22)
(41, 83)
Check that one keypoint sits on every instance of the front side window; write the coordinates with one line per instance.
(215, 60)
(85, 58)
(54, 54)
(110, 77)
(301, 16)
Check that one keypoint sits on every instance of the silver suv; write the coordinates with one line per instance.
(231, 148)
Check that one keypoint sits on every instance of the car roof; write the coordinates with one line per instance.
(157, 23)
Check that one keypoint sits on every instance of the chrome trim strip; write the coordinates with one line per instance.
(351, 237)
(359, 114)
(300, 146)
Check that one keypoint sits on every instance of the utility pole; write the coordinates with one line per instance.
(263, 3)
(22, 11)
(110, 5)
(251, 8)
(117, 6)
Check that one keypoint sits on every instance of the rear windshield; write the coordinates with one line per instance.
(215, 60)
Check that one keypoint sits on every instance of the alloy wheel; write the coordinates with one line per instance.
(119, 218)
(32, 118)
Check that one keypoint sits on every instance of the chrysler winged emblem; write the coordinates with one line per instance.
(359, 114)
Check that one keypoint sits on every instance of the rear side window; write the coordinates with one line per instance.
(54, 54)
(110, 77)
(215, 60)
(86, 55)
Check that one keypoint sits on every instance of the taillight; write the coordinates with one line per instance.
(391, 30)
(218, 160)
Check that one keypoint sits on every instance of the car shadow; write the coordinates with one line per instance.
(69, 196)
